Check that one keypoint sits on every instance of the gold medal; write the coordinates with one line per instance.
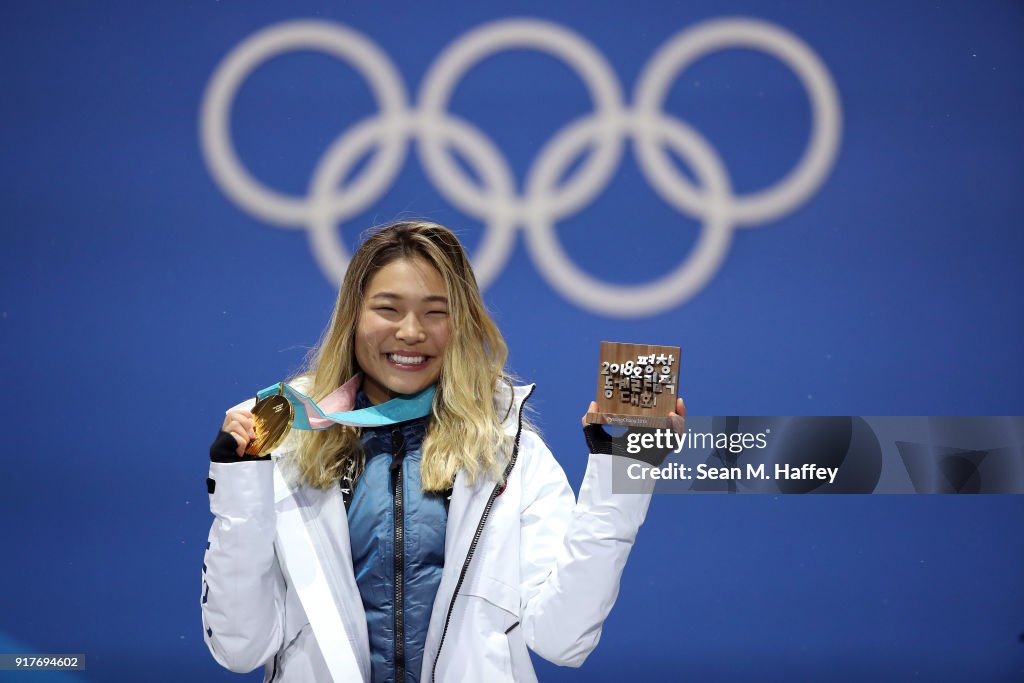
(272, 420)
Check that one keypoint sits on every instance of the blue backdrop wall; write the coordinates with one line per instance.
(819, 202)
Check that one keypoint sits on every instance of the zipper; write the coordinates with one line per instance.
(398, 513)
(274, 675)
(495, 492)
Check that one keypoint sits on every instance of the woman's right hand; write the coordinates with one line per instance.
(239, 424)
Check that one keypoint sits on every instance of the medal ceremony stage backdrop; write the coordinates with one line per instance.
(820, 203)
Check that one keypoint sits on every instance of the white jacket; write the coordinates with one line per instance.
(526, 566)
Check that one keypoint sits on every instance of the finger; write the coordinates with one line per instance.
(240, 440)
(244, 427)
(239, 415)
(249, 423)
(678, 417)
(243, 432)
(591, 409)
(678, 423)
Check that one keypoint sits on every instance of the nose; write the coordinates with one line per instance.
(410, 331)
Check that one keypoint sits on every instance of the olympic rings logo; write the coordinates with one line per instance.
(544, 200)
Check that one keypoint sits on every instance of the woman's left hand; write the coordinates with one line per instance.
(678, 416)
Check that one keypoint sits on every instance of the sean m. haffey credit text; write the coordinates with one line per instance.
(666, 439)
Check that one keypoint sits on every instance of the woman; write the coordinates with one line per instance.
(437, 548)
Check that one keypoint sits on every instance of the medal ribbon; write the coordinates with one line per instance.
(336, 408)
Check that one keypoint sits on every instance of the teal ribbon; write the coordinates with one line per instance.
(398, 409)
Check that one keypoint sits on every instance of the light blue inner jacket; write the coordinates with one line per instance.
(371, 523)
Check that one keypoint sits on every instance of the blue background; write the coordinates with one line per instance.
(138, 302)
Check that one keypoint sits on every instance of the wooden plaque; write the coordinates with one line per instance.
(637, 385)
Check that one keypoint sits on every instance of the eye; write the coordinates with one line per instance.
(437, 314)
(385, 309)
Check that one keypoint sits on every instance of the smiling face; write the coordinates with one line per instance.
(403, 329)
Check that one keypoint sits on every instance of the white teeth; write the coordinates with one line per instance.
(407, 360)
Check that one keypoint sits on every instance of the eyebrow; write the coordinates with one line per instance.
(434, 298)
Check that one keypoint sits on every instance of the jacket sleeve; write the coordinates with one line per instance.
(573, 553)
(243, 587)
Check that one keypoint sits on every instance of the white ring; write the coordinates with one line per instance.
(327, 209)
(215, 118)
(680, 284)
(452, 64)
(691, 44)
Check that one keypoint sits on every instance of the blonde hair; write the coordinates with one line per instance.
(464, 431)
